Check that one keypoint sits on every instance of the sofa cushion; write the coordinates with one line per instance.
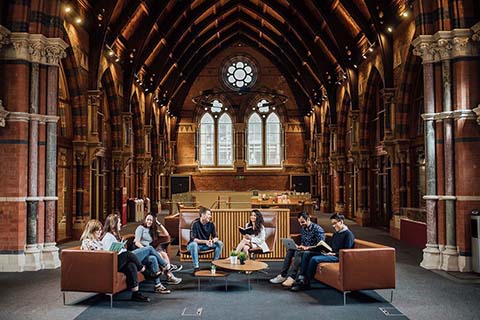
(329, 274)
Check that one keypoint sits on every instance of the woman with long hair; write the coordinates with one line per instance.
(91, 236)
(257, 239)
(128, 263)
(146, 255)
(145, 234)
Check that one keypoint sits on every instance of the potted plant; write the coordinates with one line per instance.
(233, 257)
(242, 256)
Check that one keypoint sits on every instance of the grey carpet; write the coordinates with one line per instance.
(263, 301)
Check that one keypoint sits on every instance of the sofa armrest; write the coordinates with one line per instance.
(367, 268)
(89, 271)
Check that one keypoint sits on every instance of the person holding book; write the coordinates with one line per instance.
(312, 234)
(343, 238)
(145, 234)
(203, 236)
(128, 263)
(253, 234)
(146, 255)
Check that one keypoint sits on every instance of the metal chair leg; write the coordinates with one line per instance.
(111, 299)
(64, 298)
(391, 296)
(345, 297)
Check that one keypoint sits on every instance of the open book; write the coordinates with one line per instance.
(322, 246)
(117, 246)
(247, 230)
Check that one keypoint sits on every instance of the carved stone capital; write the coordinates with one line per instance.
(3, 114)
(476, 32)
(94, 97)
(424, 48)
(388, 95)
(477, 112)
(4, 36)
(353, 114)
(446, 45)
(34, 48)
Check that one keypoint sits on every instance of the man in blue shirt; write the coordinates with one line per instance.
(203, 237)
(312, 233)
(343, 238)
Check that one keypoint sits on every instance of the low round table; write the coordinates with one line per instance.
(208, 274)
(249, 266)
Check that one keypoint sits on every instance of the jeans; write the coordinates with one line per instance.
(194, 247)
(290, 269)
(129, 264)
(150, 257)
(310, 262)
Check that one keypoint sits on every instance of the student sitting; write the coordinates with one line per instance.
(257, 237)
(343, 238)
(203, 237)
(128, 263)
(312, 233)
(144, 236)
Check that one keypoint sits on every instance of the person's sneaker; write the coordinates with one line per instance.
(151, 275)
(175, 267)
(161, 289)
(278, 279)
(289, 282)
(195, 271)
(174, 280)
(138, 296)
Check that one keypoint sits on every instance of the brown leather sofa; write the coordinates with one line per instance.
(368, 266)
(92, 271)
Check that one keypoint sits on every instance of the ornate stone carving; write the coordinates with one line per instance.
(3, 114)
(4, 36)
(33, 48)
(445, 45)
(476, 32)
(477, 112)
(424, 48)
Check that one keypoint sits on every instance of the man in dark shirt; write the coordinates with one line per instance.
(343, 238)
(203, 237)
(312, 233)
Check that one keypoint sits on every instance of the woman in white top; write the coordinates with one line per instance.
(257, 239)
(127, 261)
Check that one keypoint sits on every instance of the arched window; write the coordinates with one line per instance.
(264, 138)
(255, 140)
(273, 140)
(216, 137)
(207, 141)
(224, 141)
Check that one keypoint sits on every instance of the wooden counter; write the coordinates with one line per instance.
(295, 206)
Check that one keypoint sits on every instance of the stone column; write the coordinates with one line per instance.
(50, 251)
(388, 95)
(117, 188)
(80, 155)
(139, 172)
(32, 252)
(425, 49)
(449, 254)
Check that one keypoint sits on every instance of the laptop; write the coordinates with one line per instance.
(289, 243)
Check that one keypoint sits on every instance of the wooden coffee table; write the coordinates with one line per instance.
(249, 267)
(208, 274)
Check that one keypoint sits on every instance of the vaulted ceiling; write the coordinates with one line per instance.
(167, 43)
